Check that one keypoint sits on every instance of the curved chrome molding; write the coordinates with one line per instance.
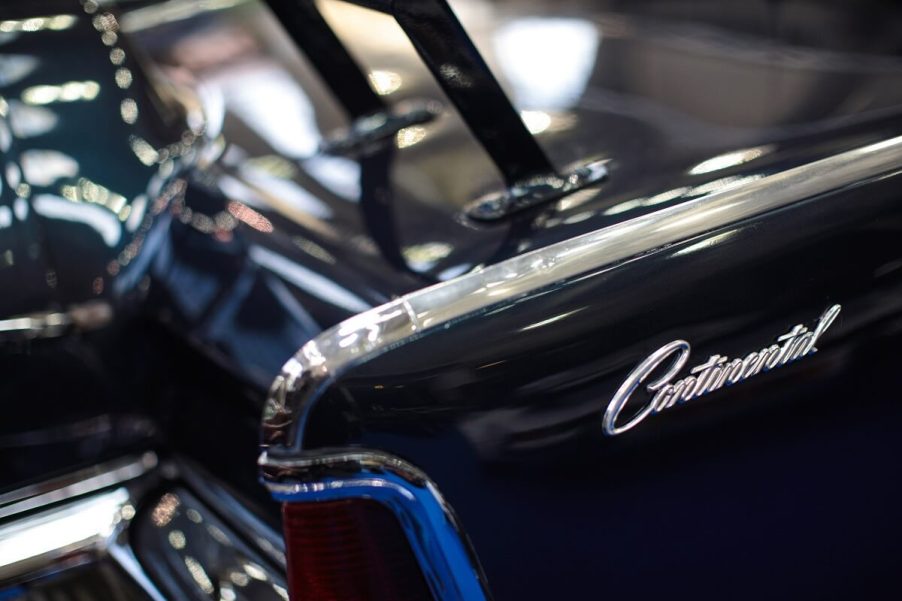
(292, 475)
(319, 362)
(448, 563)
(536, 190)
(82, 516)
(50, 537)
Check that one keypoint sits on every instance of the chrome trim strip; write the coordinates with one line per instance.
(78, 531)
(293, 475)
(322, 360)
(78, 483)
(47, 538)
(442, 551)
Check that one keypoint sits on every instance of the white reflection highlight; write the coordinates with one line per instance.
(20, 208)
(105, 223)
(308, 281)
(409, 136)
(339, 174)
(30, 121)
(6, 137)
(551, 320)
(15, 67)
(453, 272)
(123, 77)
(536, 121)
(635, 203)
(128, 110)
(146, 153)
(199, 575)
(274, 106)
(730, 159)
(86, 190)
(548, 61)
(71, 91)
(384, 82)
(255, 571)
(44, 167)
(424, 256)
(52, 23)
(177, 539)
(6, 217)
(78, 525)
(706, 243)
(288, 192)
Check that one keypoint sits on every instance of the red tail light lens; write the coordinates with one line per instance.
(349, 550)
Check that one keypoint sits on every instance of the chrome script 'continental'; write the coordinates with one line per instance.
(713, 374)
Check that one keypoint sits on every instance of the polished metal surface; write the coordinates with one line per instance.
(78, 483)
(379, 226)
(448, 563)
(322, 360)
(370, 129)
(78, 529)
(296, 241)
(712, 375)
(166, 545)
(83, 518)
(536, 191)
(195, 554)
(81, 317)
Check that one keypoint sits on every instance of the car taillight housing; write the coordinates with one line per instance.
(349, 550)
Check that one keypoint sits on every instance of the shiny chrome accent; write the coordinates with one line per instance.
(85, 526)
(535, 191)
(323, 360)
(448, 563)
(74, 519)
(713, 374)
(92, 516)
(319, 362)
(78, 483)
(91, 315)
(368, 130)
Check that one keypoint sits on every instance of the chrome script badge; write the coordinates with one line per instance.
(709, 376)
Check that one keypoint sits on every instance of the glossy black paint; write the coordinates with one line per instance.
(81, 196)
(782, 486)
(759, 478)
(388, 237)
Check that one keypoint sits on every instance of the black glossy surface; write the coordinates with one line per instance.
(783, 486)
(177, 534)
(389, 221)
(781, 475)
(89, 151)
